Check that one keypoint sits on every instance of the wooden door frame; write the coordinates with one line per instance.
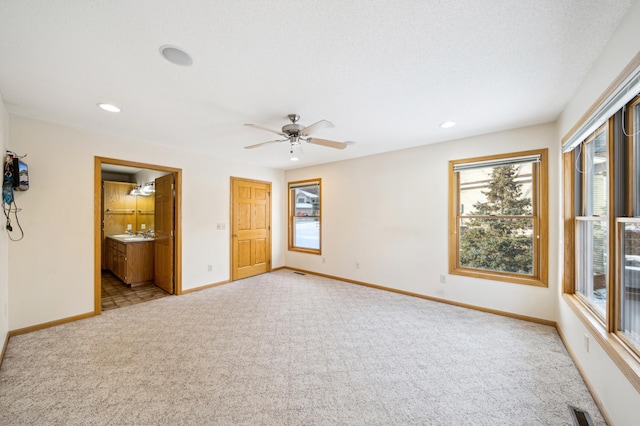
(97, 223)
(231, 212)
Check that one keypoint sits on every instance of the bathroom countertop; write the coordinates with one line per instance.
(126, 238)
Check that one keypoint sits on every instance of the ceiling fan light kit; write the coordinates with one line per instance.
(296, 133)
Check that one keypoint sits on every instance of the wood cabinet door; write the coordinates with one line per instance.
(251, 228)
(122, 267)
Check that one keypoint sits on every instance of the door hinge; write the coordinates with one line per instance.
(172, 232)
(172, 187)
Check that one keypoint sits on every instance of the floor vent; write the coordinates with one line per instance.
(580, 417)
(299, 273)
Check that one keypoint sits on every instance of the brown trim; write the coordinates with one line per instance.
(44, 325)
(585, 378)
(568, 285)
(433, 299)
(613, 87)
(454, 195)
(204, 287)
(177, 225)
(612, 249)
(625, 360)
(291, 216)
(97, 191)
(4, 348)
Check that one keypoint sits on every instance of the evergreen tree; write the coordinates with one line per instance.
(499, 244)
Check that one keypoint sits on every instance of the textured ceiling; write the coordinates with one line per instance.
(386, 73)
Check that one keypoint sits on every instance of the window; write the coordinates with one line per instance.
(628, 228)
(304, 216)
(498, 217)
(602, 228)
(592, 163)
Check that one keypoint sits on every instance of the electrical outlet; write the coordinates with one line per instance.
(209, 268)
(443, 278)
(357, 265)
(143, 226)
(586, 342)
(324, 260)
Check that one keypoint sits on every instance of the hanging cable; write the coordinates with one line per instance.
(624, 114)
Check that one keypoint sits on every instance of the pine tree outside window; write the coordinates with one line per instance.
(498, 217)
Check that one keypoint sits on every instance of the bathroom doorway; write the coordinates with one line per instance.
(137, 222)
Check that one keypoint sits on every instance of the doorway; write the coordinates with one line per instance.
(250, 228)
(170, 232)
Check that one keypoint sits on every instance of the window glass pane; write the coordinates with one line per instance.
(306, 232)
(595, 175)
(497, 244)
(591, 263)
(305, 216)
(630, 291)
(502, 190)
(307, 200)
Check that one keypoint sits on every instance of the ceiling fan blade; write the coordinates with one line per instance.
(264, 143)
(255, 126)
(330, 144)
(315, 126)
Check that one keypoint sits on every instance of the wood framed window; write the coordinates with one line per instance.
(498, 217)
(626, 306)
(592, 164)
(602, 225)
(305, 219)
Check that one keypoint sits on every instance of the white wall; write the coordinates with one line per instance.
(51, 270)
(618, 396)
(4, 241)
(389, 213)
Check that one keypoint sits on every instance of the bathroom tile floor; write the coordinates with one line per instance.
(116, 294)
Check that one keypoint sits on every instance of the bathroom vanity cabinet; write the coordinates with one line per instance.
(131, 261)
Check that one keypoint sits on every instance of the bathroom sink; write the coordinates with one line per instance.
(136, 238)
(130, 238)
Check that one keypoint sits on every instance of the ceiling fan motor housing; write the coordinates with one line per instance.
(292, 129)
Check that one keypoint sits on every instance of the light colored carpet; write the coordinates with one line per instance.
(287, 349)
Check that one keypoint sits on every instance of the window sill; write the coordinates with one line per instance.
(304, 250)
(624, 358)
(497, 276)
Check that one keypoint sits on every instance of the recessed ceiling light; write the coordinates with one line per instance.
(447, 124)
(108, 107)
(176, 55)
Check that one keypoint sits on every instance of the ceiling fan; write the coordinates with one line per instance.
(295, 134)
